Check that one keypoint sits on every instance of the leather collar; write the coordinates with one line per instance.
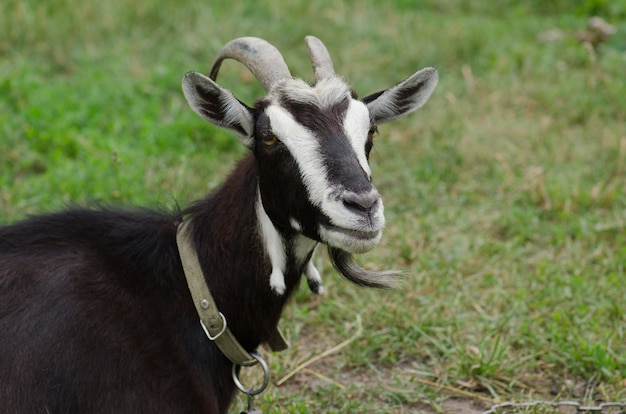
(213, 322)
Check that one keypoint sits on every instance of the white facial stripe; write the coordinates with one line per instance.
(304, 147)
(357, 125)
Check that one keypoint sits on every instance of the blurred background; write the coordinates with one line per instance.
(505, 195)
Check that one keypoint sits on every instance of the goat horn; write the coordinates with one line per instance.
(260, 57)
(322, 64)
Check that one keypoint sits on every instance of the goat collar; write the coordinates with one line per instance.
(213, 322)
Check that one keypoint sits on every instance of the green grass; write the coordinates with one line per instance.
(505, 195)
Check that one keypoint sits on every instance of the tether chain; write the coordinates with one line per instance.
(605, 407)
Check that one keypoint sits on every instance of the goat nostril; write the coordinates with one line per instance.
(361, 202)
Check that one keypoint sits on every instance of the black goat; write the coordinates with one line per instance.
(95, 312)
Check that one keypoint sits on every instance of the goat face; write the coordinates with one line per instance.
(312, 145)
(311, 142)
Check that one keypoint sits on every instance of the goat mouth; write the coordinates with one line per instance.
(355, 234)
(350, 240)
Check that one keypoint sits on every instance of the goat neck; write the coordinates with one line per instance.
(237, 268)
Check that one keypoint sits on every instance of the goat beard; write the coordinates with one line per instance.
(347, 267)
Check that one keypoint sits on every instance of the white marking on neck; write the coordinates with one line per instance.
(295, 224)
(274, 247)
(314, 278)
(303, 248)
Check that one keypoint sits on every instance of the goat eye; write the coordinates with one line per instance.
(270, 139)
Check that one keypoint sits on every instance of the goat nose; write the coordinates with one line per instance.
(361, 202)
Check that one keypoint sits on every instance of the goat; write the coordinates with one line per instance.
(95, 314)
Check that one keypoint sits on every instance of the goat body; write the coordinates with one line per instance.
(95, 312)
(96, 301)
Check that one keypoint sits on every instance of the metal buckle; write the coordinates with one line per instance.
(251, 392)
(208, 334)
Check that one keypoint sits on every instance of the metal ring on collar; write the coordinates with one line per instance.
(208, 334)
(266, 376)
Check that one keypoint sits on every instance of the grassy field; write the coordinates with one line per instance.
(505, 195)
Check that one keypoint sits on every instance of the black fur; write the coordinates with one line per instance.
(96, 317)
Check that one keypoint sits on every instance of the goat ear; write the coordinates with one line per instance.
(402, 98)
(219, 106)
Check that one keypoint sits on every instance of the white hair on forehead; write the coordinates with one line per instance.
(324, 94)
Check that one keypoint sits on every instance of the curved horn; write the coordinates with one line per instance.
(260, 57)
(322, 64)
